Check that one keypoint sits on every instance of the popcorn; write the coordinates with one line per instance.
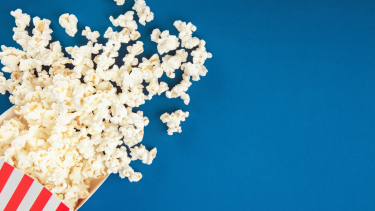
(41, 34)
(162, 87)
(165, 41)
(69, 23)
(65, 119)
(76, 124)
(135, 177)
(197, 68)
(107, 58)
(151, 69)
(92, 36)
(134, 51)
(20, 34)
(173, 120)
(200, 54)
(121, 37)
(180, 90)
(127, 171)
(143, 11)
(171, 63)
(22, 20)
(142, 154)
(125, 21)
(155, 88)
(3, 84)
(120, 2)
(186, 31)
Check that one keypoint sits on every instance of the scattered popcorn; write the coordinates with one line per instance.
(173, 120)
(69, 23)
(73, 125)
(92, 36)
(165, 41)
(143, 11)
(120, 2)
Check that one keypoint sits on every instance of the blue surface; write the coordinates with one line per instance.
(284, 119)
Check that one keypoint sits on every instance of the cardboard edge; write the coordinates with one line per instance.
(7, 115)
(95, 183)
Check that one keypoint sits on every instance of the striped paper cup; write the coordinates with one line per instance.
(20, 192)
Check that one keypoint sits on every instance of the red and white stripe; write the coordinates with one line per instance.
(21, 192)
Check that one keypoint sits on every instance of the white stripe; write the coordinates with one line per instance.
(10, 187)
(1, 163)
(30, 196)
(52, 204)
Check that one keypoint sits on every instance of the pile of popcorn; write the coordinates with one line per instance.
(77, 124)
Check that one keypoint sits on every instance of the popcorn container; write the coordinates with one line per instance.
(20, 192)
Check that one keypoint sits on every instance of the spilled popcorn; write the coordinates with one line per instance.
(78, 124)
(174, 120)
(69, 23)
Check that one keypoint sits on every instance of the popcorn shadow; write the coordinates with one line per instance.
(29, 28)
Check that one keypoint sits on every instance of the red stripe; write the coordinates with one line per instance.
(5, 173)
(62, 207)
(42, 200)
(19, 193)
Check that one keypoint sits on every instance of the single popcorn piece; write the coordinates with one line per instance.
(143, 11)
(92, 36)
(143, 154)
(165, 41)
(194, 70)
(163, 87)
(200, 55)
(172, 63)
(173, 120)
(186, 31)
(22, 20)
(135, 177)
(69, 23)
(120, 2)
(180, 90)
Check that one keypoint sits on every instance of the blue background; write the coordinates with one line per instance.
(284, 119)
